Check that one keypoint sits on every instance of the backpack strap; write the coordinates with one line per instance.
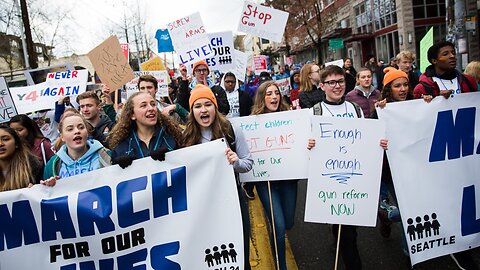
(317, 109)
(230, 137)
(358, 109)
(428, 89)
(467, 81)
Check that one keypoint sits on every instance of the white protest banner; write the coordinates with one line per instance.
(44, 95)
(338, 63)
(434, 158)
(284, 86)
(162, 79)
(344, 171)
(7, 107)
(278, 143)
(240, 58)
(262, 21)
(260, 63)
(26, 98)
(151, 215)
(67, 83)
(190, 39)
(223, 52)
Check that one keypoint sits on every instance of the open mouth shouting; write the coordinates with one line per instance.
(77, 139)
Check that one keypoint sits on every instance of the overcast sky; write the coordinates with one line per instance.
(94, 17)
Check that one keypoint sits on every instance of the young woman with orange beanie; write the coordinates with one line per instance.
(205, 123)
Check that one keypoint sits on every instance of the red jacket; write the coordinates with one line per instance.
(467, 83)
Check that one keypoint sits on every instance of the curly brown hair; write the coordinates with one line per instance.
(125, 125)
(192, 134)
(259, 100)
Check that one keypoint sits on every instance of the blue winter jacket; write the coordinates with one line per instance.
(64, 166)
(133, 146)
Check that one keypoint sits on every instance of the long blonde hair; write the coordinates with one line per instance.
(305, 81)
(192, 134)
(259, 101)
(125, 125)
(19, 171)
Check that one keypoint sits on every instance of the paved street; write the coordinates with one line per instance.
(313, 246)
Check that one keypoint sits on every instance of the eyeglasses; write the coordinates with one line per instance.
(333, 83)
(232, 82)
(201, 71)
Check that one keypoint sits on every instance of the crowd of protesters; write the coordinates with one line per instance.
(98, 134)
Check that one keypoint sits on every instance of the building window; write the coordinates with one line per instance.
(428, 9)
(387, 46)
(363, 17)
(14, 44)
(385, 13)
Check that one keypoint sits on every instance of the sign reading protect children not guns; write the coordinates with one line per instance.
(278, 144)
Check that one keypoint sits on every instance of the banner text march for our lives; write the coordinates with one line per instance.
(434, 160)
(344, 171)
(278, 143)
(44, 95)
(151, 215)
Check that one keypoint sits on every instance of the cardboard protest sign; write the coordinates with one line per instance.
(260, 63)
(344, 171)
(223, 52)
(240, 60)
(278, 143)
(7, 107)
(190, 38)
(153, 64)
(434, 160)
(156, 215)
(110, 64)
(262, 21)
(338, 63)
(284, 86)
(160, 75)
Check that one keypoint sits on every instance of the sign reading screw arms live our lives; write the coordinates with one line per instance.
(151, 215)
(344, 171)
(278, 143)
(190, 39)
(110, 63)
(434, 158)
(263, 21)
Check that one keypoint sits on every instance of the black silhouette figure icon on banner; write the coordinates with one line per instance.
(227, 254)
(416, 231)
(208, 257)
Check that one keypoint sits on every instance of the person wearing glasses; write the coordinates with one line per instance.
(310, 92)
(334, 105)
(200, 73)
(240, 103)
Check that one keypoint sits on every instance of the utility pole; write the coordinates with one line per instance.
(22, 35)
(32, 55)
(456, 27)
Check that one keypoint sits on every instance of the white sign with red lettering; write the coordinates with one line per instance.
(260, 63)
(263, 21)
(190, 39)
(160, 75)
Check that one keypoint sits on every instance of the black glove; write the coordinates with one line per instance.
(159, 154)
(124, 161)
